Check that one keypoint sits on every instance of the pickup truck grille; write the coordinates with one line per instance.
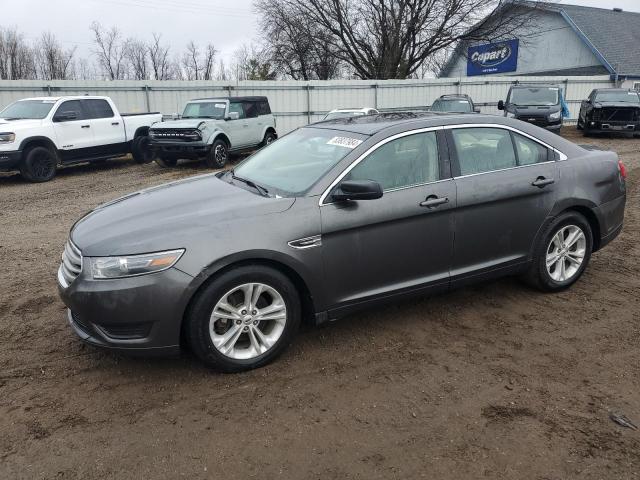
(185, 135)
(71, 265)
(618, 114)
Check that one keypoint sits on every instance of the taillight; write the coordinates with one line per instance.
(623, 170)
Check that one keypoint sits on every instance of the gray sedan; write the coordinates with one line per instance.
(332, 218)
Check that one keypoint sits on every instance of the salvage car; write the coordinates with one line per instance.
(211, 129)
(39, 134)
(540, 105)
(454, 103)
(332, 218)
(610, 110)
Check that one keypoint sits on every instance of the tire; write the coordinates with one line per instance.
(579, 125)
(140, 150)
(249, 350)
(551, 246)
(218, 155)
(269, 137)
(166, 162)
(39, 164)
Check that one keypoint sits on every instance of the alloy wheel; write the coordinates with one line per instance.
(248, 321)
(220, 154)
(565, 253)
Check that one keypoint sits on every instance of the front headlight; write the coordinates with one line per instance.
(555, 115)
(7, 137)
(510, 114)
(133, 265)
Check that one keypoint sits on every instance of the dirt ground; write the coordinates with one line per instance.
(495, 381)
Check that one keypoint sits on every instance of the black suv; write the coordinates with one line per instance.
(539, 105)
(456, 103)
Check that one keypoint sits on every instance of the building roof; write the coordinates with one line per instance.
(613, 35)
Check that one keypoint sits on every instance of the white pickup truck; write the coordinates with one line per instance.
(38, 134)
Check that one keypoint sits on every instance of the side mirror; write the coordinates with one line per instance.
(501, 105)
(65, 116)
(358, 190)
(233, 116)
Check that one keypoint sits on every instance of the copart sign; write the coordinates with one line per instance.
(492, 58)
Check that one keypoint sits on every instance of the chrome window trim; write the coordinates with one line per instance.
(504, 169)
(370, 150)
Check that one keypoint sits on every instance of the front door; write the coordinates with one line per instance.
(73, 130)
(506, 185)
(238, 129)
(400, 242)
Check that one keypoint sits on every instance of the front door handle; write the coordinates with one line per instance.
(115, 123)
(433, 201)
(85, 126)
(542, 182)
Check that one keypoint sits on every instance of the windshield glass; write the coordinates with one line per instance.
(332, 115)
(205, 110)
(37, 109)
(295, 162)
(545, 96)
(451, 105)
(617, 96)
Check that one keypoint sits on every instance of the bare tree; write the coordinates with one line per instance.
(208, 63)
(222, 73)
(136, 52)
(197, 65)
(54, 63)
(394, 38)
(17, 59)
(159, 58)
(249, 64)
(110, 51)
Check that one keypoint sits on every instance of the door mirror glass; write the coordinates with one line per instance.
(233, 116)
(501, 105)
(65, 116)
(358, 190)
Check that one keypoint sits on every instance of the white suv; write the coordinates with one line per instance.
(212, 128)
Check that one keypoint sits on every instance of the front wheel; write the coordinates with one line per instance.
(562, 254)
(39, 165)
(243, 319)
(141, 151)
(218, 155)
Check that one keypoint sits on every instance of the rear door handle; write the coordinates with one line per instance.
(433, 201)
(85, 126)
(542, 182)
(115, 123)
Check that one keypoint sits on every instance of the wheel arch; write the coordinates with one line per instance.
(38, 142)
(269, 129)
(222, 136)
(583, 207)
(141, 132)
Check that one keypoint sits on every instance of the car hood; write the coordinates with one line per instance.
(19, 124)
(188, 123)
(535, 110)
(169, 216)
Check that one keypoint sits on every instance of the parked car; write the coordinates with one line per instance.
(38, 134)
(456, 103)
(540, 105)
(331, 218)
(349, 112)
(610, 110)
(212, 128)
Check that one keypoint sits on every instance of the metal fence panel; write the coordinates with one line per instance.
(296, 103)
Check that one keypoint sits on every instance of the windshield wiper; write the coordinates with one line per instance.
(261, 190)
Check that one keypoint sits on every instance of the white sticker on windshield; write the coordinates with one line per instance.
(344, 142)
(220, 105)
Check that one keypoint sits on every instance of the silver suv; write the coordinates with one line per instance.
(212, 128)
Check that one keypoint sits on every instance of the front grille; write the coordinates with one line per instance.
(533, 118)
(71, 265)
(189, 135)
(618, 114)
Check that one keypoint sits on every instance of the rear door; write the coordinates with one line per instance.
(400, 242)
(506, 185)
(74, 134)
(108, 129)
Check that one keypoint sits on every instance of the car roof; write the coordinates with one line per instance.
(611, 89)
(232, 99)
(69, 97)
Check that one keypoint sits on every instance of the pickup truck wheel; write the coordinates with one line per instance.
(141, 151)
(218, 155)
(269, 138)
(166, 162)
(39, 165)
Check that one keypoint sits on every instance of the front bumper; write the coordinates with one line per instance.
(613, 126)
(180, 149)
(136, 315)
(10, 160)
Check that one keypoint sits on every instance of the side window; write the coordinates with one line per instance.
(529, 152)
(483, 149)
(98, 109)
(406, 161)
(251, 109)
(70, 107)
(237, 107)
(264, 108)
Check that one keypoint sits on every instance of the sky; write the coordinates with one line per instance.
(227, 24)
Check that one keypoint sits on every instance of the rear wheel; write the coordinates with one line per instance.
(166, 162)
(141, 150)
(39, 165)
(562, 254)
(218, 155)
(269, 138)
(244, 318)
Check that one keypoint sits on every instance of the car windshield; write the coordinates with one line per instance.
(332, 115)
(544, 96)
(293, 164)
(35, 109)
(205, 110)
(617, 96)
(451, 105)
